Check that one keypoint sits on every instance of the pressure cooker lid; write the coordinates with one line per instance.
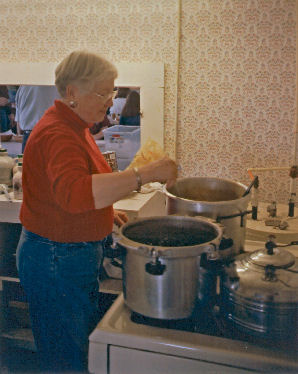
(260, 277)
(277, 257)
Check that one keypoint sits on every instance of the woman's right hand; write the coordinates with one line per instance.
(164, 170)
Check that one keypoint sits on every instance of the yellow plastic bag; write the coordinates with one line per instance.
(151, 151)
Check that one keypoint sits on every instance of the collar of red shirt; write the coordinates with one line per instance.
(70, 116)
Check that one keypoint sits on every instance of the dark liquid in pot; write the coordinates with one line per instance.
(202, 194)
(169, 236)
(207, 189)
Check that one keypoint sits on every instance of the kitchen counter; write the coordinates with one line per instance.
(13, 148)
(257, 229)
(135, 205)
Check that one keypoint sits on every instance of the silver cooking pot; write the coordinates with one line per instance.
(259, 293)
(217, 198)
(160, 263)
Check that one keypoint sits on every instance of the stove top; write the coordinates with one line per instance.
(118, 329)
(205, 322)
(210, 322)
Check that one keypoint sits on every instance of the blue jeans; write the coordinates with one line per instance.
(61, 284)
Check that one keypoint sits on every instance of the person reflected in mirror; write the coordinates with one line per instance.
(67, 211)
(12, 90)
(6, 117)
(118, 104)
(31, 103)
(130, 115)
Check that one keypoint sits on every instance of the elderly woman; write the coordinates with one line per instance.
(67, 211)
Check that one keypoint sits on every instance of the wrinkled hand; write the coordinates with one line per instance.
(166, 171)
(120, 217)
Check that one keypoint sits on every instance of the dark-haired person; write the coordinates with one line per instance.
(130, 115)
(5, 110)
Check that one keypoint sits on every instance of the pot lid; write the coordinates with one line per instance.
(277, 257)
(261, 278)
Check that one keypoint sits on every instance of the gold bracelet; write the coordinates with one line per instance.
(139, 179)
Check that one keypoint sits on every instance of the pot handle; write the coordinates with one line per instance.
(225, 243)
(112, 249)
(241, 214)
(116, 264)
(232, 276)
(155, 267)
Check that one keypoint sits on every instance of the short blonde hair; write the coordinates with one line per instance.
(83, 69)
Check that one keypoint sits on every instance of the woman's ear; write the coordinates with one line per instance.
(71, 92)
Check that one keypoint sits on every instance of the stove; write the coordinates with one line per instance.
(126, 342)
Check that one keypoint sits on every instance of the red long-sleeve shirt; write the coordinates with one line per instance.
(59, 159)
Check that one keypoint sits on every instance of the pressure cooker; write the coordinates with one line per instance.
(259, 293)
(160, 263)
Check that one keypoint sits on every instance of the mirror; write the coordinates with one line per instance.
(147, 77)
(22, 106)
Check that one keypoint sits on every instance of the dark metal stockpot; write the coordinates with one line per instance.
(216, 198)
(160, 263)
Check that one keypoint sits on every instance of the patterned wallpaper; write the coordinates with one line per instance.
(237, 90)
(237, 71)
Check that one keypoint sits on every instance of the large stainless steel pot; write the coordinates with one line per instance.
(160, 263)
(217, 198)
(259, 293)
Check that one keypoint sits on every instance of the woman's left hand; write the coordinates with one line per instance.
(120, 217)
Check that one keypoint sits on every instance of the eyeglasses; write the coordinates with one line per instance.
(106, 97)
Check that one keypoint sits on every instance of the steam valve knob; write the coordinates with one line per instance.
(155, 268)
(270, 245)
